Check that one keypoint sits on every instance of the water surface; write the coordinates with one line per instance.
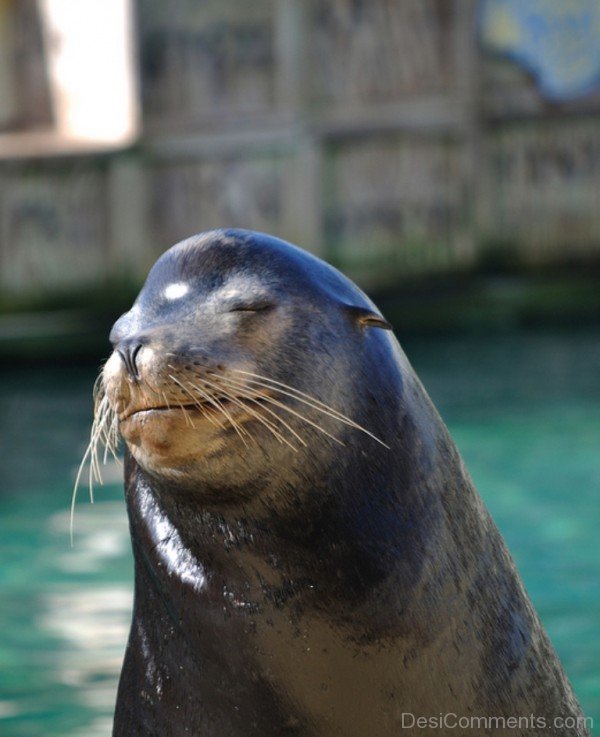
(523, 408)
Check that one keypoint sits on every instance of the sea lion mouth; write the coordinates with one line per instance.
(150, 410)
(168, 420)
(215, 405)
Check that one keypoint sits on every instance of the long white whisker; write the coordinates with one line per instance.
(311, 402)
(166, 400)
(293, 390)
(111, 439)
(213, 420)
(94, 435)
(212, 400)
(105, 429)
(284, 407)
(98, 427)
(75, 488)
(255, 397)
(99, 430)
(188, 420)
(268, 424)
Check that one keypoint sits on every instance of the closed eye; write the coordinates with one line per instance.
(252, 307)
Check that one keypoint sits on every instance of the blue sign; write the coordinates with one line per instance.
(557, 40)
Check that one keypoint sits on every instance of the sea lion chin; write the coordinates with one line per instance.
(311, 557)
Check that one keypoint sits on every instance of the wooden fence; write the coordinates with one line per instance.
(373, 132)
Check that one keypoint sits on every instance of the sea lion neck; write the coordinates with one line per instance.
(352, 530)
(325, 534)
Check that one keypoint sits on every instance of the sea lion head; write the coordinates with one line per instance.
(243, 360)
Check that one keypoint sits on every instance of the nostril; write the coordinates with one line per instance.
(128, 350)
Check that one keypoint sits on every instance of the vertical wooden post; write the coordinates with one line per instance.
(290, 26)
(129, 248)
(302, 195)
(468, 84)
(8, 99)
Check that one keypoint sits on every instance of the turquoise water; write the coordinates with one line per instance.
(523, 408)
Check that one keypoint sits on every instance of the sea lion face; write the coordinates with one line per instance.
(230, 362)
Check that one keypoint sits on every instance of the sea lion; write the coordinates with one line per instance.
(311, 557)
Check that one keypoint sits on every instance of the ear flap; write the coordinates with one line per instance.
(367, 318)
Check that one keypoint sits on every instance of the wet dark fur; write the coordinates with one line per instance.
(337, 590)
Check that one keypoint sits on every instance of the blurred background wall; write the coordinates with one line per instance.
(393, 138)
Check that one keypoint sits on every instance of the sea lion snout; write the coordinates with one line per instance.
(127, 377)
(128, 350)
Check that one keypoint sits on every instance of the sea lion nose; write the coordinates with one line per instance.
(128, 349)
